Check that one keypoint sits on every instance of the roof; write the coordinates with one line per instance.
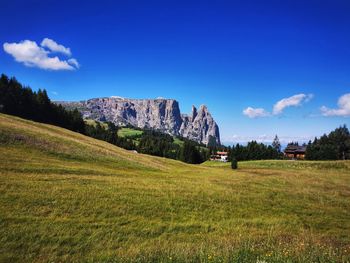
(295, 149)
(222, 153)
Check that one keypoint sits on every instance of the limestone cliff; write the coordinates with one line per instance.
(160, 114)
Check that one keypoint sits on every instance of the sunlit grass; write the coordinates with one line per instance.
(67, 197)
(94, 123)
(129, 132)
(178, 141)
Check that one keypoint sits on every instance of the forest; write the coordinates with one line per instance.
(334, 146)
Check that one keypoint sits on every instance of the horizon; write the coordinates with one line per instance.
(265, 139)
(261, 68)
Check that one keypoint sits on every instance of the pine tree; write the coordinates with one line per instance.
(334, 146)
(276, 144)
(234, 163)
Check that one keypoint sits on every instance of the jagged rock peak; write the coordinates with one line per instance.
(194, 113)
(203, 107)
(160, 114)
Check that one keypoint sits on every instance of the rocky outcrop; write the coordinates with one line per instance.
(160, 114)
(200, 126)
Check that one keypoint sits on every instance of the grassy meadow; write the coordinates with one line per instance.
(129, 132)
(65, 197)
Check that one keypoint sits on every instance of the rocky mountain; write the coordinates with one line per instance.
(160, 114)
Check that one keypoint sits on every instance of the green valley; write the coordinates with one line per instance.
(66, 197)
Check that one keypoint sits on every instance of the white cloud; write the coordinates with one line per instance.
(279, 106)
(32, 55)
(55, 47)
(255, 112)
(343, 107)
(292, 101)
(74, 62)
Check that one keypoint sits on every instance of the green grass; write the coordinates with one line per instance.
(129, 132)
(94, 123)
(178, 141)
(65, 197)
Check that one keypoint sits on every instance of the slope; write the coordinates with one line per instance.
(68, 197)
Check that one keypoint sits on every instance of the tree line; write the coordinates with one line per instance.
(161, 144)
(22, 101)
(252, 151)
(150, 142)
(255, 151)
(334, 146)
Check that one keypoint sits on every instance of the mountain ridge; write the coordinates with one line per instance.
(160, 114)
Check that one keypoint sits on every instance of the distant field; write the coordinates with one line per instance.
(65, 197)
(93, 123)
(178, 141)
(128, 132)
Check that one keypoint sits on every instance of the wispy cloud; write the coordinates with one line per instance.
(55, 47)
(32, 55)
(278, 108)
(343, 107)
(74, 62)
(255, 112)
(293, 101)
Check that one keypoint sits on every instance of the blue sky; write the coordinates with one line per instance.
(229, 55)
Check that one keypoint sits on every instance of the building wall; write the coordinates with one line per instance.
(297, 156)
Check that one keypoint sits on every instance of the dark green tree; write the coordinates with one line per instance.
(334, 146)
(21, 101)
(190, 153)
(212, 142)
(234, 164)
(276, 144)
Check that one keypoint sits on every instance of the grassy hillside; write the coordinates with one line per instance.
(68, 197)
(129, 132)
(94, 123)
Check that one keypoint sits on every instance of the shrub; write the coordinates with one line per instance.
(234, 163)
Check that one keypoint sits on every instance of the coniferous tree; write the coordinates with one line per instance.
(23, 102)
(276, 144)
(334, 146)
(253, 151)
(234, 164)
